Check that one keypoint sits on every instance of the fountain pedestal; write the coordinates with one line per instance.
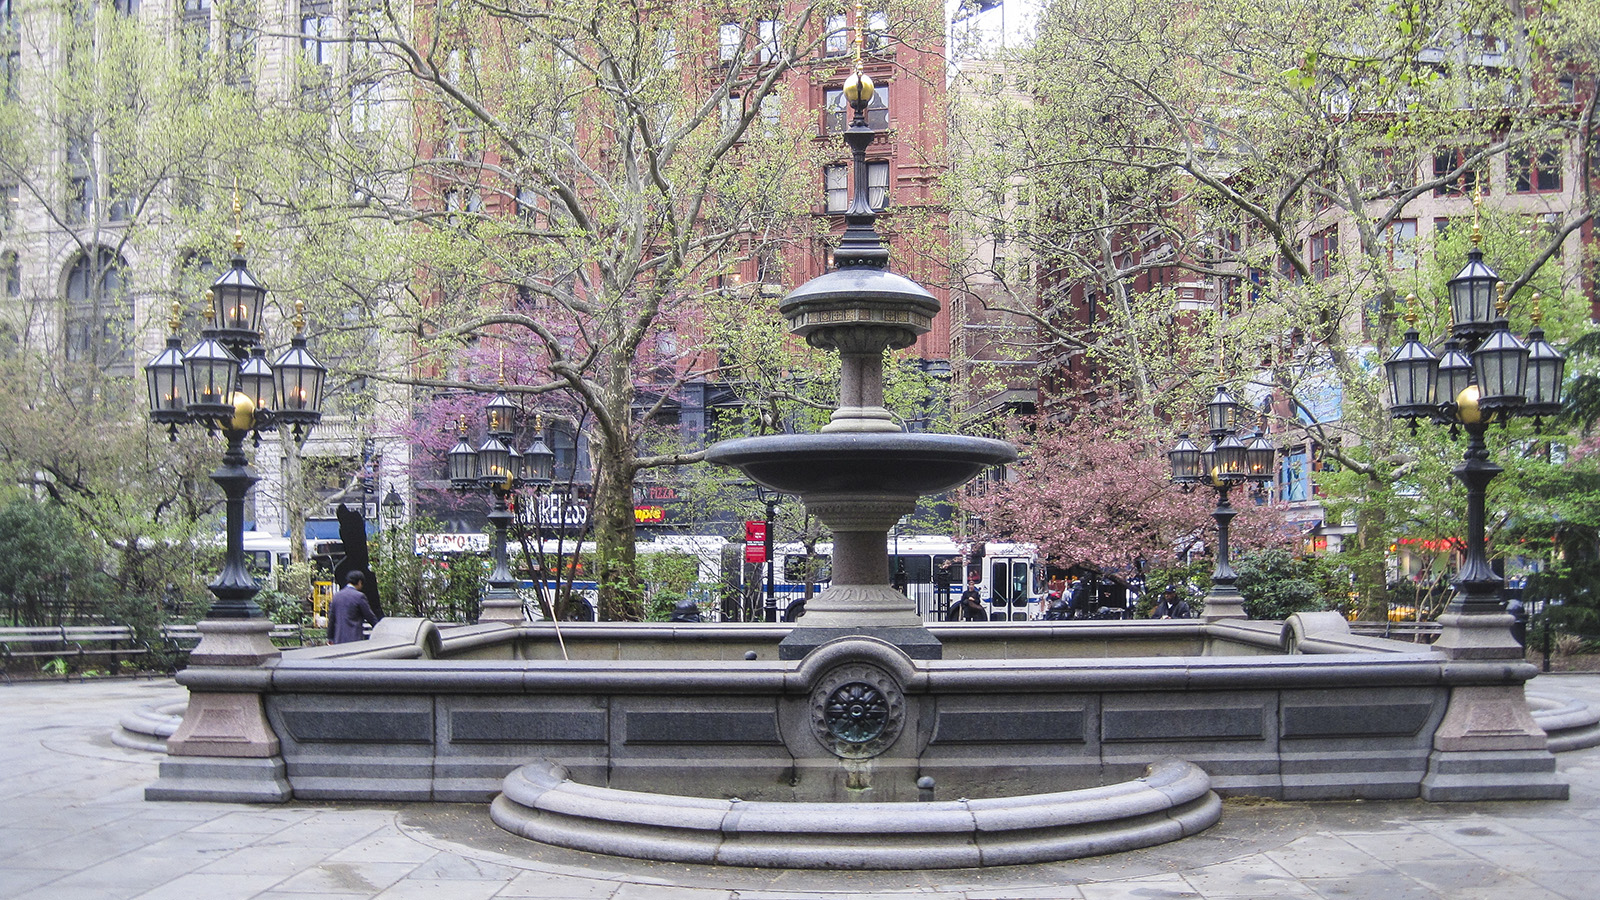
(857, 601)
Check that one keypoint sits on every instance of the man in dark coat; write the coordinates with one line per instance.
(1170, 606)
(348, 611)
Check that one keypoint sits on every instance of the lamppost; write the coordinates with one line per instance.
(1229, 461)
(770, 499)
(497, 468)
(391, 508)
(224, 383)
(1485, 374)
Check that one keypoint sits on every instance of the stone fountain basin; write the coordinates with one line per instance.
(873, 464)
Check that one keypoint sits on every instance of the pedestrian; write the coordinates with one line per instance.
(1055, 606)
(1077, 599)
(349, 610)
(970, 608)
(1170, 606)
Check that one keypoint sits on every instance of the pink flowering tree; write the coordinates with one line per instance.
(1097, 492)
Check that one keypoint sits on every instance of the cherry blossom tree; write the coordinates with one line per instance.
(1095, 491)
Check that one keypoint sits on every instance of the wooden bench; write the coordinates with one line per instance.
(1416, 632)
(180, 640)
(73, 644)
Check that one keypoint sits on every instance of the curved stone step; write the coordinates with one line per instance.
(148, 728)
(1571, 724)
(1173, 800)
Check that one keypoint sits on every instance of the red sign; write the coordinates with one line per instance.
(755, 541)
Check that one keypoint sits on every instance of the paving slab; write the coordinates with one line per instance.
(77, 828)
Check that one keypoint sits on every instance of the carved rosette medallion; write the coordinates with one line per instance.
(857, 711)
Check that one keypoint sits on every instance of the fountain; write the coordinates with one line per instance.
(860, 737)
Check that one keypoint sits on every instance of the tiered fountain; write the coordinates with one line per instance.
(843, 741)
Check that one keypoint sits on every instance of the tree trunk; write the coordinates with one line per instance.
(614, 570)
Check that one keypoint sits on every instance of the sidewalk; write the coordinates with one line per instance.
(75, 827)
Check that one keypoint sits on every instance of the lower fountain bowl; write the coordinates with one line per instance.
(869, 463)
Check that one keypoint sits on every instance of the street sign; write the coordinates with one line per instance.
(755, 530)
(755, 552)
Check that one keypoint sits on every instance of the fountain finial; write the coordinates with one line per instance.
(860, 246)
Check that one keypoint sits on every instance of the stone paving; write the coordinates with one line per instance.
(75, 826)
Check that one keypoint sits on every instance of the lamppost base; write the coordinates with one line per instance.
(1477, 636)
(1488, 747)
(225, 749)
(1224, 602)
(234, 642)
(501, 605)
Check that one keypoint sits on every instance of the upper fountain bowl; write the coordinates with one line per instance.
(869, 463)
(842, 309)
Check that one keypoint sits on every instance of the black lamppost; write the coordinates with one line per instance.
(391, 508)
(224, 384)
(1485, 373)
(497, 468)
(770, 499)
(1227, 462)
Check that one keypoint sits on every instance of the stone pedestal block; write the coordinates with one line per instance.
(215, 779)
(1488, 747)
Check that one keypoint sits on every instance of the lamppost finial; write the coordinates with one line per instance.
(1477, 208)
(238, 219)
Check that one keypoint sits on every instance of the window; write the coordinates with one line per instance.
(118, 204)
(366, 20)
(837, 113)
(878, 185)
(732, 113)
(730, 40)
(667, 46)
(10, 207)
(1531, 172)
(835, 186)
(837, 42)
(1541, 228)
(769, 33)
(126, 7)
(1566, 89)
(11, 274)
(195, 30)
(876, 40)
(1399, 241)
(1388, 172)
(80, 199)
(99, 311)
(366, 107)
(10, 52)
(317, 27)
(771, 114)
(1324, 250)
(1447, 161)
(1441, 224)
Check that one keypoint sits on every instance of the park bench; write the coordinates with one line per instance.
(1416, 632)
(180, 640)
(74, 645)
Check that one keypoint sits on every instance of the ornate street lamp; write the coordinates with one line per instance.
(1227, 462)
(1485, 373)
(224, 383)
(391, 508)
(497, 468)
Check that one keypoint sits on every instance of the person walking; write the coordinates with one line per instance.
(349, 610)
